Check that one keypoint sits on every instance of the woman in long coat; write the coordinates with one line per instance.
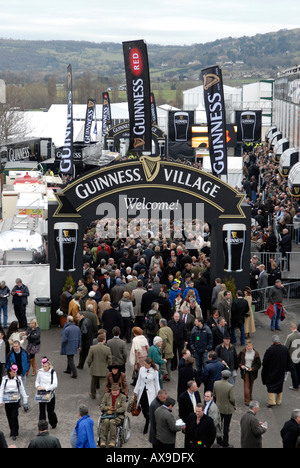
(276, 362)
(147, 388)
(249, 363)
(138, 352)
(155, 354)
(249, 324)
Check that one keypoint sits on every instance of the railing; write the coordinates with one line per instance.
(289, 264)
(260, 297)
(290, 227)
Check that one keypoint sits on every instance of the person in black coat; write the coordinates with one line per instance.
(291, 430)
(239, 310)
(200, 430)
(286, 242)
(285, 246)
(106, 284)
(164, 308)
(111, 318)
(186, 373)
(185, 401)
(271, 242)
(276, 362)
(147, 299)
(179, 338)
(87, 336)
(203, 289)
(219, 332)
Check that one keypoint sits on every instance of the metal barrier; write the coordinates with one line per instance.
(289, 264)
(260, 297)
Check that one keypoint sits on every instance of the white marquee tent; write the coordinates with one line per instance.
(235, 170)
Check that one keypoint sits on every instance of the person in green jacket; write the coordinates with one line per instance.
(44, 440)
(166, 334)
(155, 354)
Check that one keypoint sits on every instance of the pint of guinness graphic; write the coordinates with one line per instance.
(248, 123)
(65, 238)
(234, 239)
(181, 124)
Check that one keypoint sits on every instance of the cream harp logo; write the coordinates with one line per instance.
(151, 166)
(210, 80)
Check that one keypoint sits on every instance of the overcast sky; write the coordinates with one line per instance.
(156, 21)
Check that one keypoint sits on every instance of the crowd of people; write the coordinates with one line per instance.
(153, 304)
(275, 214)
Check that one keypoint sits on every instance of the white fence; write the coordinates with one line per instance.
(35, 277)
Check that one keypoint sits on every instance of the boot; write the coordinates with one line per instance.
(33, 367)
(272, 401)
(146, 425)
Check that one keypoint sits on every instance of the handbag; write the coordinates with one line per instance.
(135, 410)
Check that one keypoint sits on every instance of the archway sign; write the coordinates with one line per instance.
(131, 198)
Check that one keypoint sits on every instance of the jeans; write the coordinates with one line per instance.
(242, 330)
(4, 308)
(200, 359)
(275, 320)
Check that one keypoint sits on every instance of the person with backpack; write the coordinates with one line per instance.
(45, 384)
(11, 392)
(152, 319)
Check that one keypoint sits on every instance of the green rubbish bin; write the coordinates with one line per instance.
(43, 312)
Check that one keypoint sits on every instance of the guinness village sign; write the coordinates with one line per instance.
(155, 191)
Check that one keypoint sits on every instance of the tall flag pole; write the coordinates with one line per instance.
(216, 118)
(90, 110)
(138, 94)
(66, 163)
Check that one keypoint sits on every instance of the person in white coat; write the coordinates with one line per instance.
(45, 384)
(12, 391)
(146, 388)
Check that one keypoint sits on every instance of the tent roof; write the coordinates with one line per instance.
(52, 124)
(234, 164)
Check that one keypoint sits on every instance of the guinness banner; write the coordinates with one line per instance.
(153, 110)
(90, 111)
(249, 125)
(216, 119)
(138, 94)
(106, 113)
(180, 134)
(66, 162)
